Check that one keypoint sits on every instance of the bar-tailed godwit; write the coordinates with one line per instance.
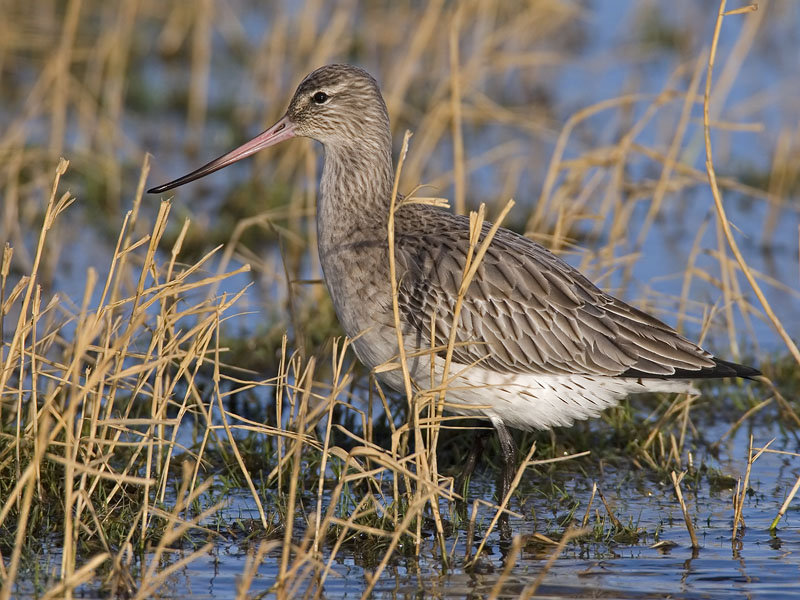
(537, 344)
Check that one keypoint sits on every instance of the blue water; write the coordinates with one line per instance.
(763, 565)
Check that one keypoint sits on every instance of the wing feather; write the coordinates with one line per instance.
(526, 310)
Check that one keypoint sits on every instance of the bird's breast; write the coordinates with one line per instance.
(356, 273)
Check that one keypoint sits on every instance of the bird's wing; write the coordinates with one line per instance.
(527, 311)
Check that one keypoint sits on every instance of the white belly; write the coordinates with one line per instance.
(529, 401)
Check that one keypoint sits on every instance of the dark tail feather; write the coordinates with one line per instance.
(721, 368)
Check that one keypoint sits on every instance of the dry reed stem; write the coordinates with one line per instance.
(536, 220)
(504, 502)
(688, 274)
(749, 413)
(54, 208)
(727, 291)
(569, 535)
(423, 465)
(294, 482)
(741, 489)
(339, 386)
(678, 405)
(702, 176)
(152, 578)
(676, 482)
(508, 564)
(346, 527)
(722, 218)
(472, 261)
(82, 575)
(470, 538)
(412, 513)
(621, 151)
(86, 455)
(614, 520)
(200, 69)
(231, 438)
(787, 410)
(393, 270)
(19, 538)
(459, 177)
(784, 507)
(672, 153)
(588, 512)
(252, 562)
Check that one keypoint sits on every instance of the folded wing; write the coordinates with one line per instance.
(527, 311)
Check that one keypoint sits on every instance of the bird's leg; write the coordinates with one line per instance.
(509, 450)
(468, 469)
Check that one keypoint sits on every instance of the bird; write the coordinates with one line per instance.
(537, 345)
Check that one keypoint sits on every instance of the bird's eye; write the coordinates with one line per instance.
(320, 97)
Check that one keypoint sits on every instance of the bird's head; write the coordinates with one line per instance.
(338, 105)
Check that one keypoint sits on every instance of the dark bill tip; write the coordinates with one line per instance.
(282, 130)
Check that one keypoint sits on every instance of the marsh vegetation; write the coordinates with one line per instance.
(179, 412)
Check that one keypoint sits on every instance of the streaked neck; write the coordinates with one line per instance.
(355, 190)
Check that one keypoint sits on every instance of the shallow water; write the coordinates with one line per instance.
(763, 565)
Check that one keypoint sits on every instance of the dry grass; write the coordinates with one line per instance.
(118, 440)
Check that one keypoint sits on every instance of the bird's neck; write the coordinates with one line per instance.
(355, 192)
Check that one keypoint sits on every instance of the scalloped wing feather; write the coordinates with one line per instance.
(526, 310)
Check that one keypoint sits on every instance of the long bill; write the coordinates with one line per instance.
(282, 130)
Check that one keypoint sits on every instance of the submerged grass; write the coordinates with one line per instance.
(131, 420)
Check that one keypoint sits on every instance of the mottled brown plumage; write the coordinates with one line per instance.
(538, 344)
